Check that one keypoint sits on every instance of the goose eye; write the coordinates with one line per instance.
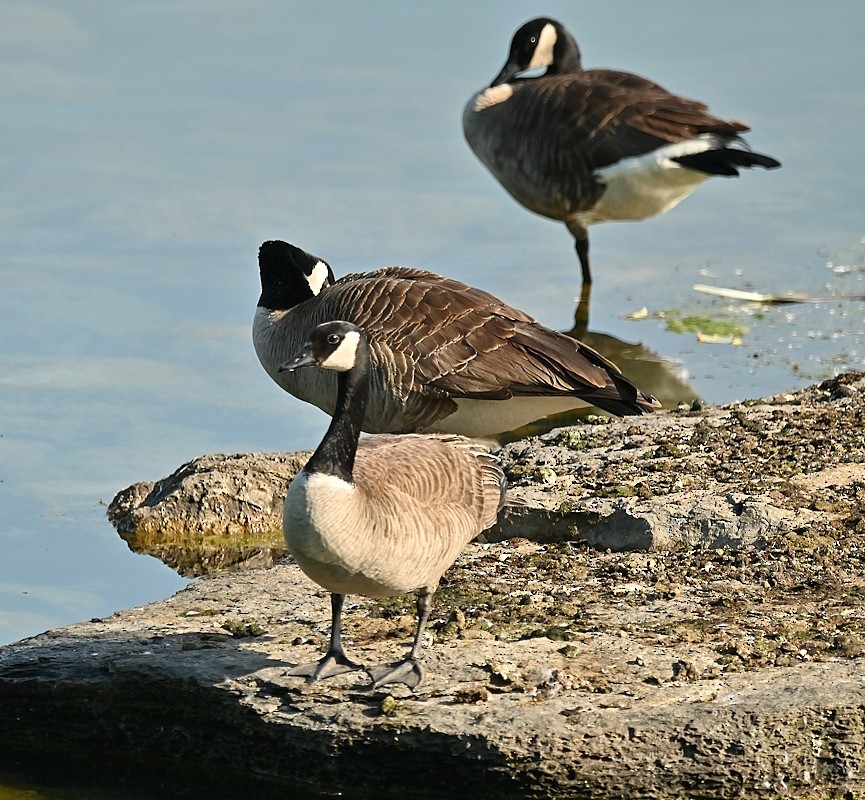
(333, 338)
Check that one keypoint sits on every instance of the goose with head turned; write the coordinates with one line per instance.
(444, 357)
(592, 145)
(382, 515)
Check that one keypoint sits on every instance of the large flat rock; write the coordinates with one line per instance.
(674, 608)
(567, 674)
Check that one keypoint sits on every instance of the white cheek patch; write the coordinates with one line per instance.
(342, 359)
(318, 277)
(493, 96)
(543, 55)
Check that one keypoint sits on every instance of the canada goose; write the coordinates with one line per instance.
(384, 515)
(445, 357)
(593, 145)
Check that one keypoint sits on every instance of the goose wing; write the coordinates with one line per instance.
(438, 486)
(606, 116)
(448, 339)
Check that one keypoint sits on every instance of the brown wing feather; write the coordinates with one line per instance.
(438, 476)
(473, 345)
(437, 338)
(611, 115)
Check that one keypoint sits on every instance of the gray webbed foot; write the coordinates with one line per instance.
(332, 664)
(409, 672)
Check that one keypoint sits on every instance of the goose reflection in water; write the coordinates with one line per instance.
(656, 375)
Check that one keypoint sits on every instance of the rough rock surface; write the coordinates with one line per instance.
(214, 512)
(556, 670)
(569, 674)
(718, 477)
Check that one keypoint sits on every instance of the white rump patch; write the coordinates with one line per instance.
(543, 55)
(493, 96)
(642, 187)
(342, 359)
(478, 419)
(318, 277)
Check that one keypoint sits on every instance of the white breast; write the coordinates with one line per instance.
(316, 508)
(327, 532)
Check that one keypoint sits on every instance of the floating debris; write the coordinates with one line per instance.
(710, 328)
(771, 299)
(717, 338)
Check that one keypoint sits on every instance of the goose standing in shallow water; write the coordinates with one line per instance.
(445, 357)
(384, 515)
(591, 145)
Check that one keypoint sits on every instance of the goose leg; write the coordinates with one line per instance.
(335, 661)
(409, 671)
(582, 248)
(581, 244)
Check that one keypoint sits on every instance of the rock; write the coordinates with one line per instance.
(674, 606)
(214, 512)
(624, 710)
(718, 477)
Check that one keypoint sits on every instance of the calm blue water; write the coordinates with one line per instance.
(149, 147)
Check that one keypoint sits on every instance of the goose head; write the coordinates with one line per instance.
(290, 275)
(339, 346)
(540, 43)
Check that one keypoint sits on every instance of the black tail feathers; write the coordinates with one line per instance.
(726, 161)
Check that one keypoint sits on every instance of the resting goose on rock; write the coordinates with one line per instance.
(444, 356)
(592, 145)
(384, 515)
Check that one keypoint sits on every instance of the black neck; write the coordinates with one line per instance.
(335, 455)
(566, 55)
